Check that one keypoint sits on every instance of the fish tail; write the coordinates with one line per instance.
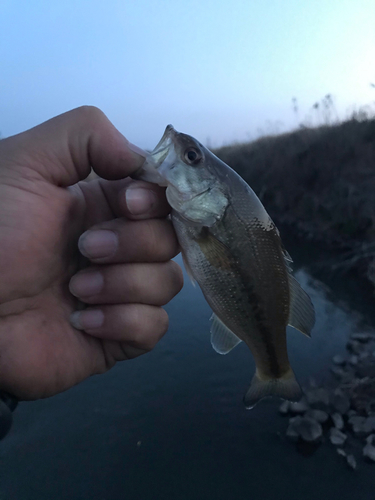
(285, 387)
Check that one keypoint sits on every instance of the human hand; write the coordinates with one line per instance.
(127, 274)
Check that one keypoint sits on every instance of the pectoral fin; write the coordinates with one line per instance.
(301, 310)
(189, 272)
(216, 252)
(223, 340)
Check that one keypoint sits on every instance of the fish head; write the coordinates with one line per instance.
(189, 170)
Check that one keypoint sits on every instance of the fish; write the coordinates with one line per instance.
(233, 250)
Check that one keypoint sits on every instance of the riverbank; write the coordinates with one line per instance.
(321, 182)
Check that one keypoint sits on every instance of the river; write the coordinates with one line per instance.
(172, 425)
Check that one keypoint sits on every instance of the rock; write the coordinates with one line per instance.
(351, 413)
(362, 393)
(364, 355)
(341, 452)
(366, 368)
(354, 346)
(292, 431)
(306, 428)
(353, 360)
(337, 437)
(318, 415)
(292, 434)
(318, 398)
(310, 430)
(340, 402)
(337, 420)
(362, 337)
(338, 371)
(298, 407)
(370, 439)
(312, 382)
(349, 375)
(339, 360)
(284, 408)
(369, 452)
(370, 423)
(361, 426)
(356, 420)
(351, 461)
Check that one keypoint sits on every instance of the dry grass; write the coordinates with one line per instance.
(319, 180)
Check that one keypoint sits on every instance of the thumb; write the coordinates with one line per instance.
(64, 149)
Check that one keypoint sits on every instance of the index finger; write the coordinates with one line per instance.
(63, 150)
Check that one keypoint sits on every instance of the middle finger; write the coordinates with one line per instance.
(123, 240)
(146, 283)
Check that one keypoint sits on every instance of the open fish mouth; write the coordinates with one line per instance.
(162, 148)
(149, 170)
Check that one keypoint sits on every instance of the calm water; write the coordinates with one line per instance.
(171, 424)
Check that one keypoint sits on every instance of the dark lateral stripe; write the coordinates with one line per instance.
(260, 318)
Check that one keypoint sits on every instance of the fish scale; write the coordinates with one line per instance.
(243, 312)
(233, 250)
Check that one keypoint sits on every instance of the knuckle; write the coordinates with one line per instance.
(148, 329)
(90, 113)
(151, 237)
(178, 277)
(163, 322)
(132, 282)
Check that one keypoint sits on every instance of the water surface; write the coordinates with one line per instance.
(172, 425)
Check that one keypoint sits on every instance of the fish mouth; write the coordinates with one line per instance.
(177, 198)
(162, 148)
(149, 171)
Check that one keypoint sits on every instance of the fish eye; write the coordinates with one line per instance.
(193, 156)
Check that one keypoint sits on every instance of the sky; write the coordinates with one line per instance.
(222, 71)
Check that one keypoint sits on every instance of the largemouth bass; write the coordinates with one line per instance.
(232, 248)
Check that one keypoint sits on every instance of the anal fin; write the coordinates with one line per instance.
(223, 340)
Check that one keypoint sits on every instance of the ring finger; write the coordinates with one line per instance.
(144, 283)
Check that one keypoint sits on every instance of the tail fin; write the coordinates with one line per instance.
(285, 387)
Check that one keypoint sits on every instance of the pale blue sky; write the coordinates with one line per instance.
(219, 70)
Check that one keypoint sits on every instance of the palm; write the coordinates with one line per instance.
(45, 222)
(43, 211)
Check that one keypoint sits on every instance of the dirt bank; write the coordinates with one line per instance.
(321, 181)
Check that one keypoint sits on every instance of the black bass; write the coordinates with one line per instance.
(231, 247)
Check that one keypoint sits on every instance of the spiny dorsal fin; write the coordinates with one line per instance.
(223, 340)
(301, 310)
(287, 259)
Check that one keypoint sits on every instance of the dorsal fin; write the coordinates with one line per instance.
(301, 309)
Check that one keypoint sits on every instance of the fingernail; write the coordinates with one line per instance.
(139, 200)
(138, 154)
(137, 150)
(86, 320)
(86, 283)
(98, 243)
